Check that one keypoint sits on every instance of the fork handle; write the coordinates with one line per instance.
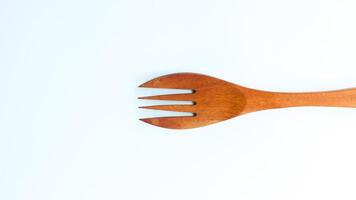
(267, 100)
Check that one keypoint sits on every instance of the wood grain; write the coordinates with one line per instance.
(216, 100)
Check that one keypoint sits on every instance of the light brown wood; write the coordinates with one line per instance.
(216, 100)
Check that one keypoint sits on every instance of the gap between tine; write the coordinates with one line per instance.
(176, 108)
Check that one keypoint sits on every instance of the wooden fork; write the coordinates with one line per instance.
(216, 100)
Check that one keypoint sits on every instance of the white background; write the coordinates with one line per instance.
(69, 72)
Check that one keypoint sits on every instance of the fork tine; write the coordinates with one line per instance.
(173, 81)
(176, 108)
(173, 97)
(183, 122)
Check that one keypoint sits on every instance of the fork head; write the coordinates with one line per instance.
(214, 100)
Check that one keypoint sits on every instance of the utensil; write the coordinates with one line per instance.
(215, 100)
